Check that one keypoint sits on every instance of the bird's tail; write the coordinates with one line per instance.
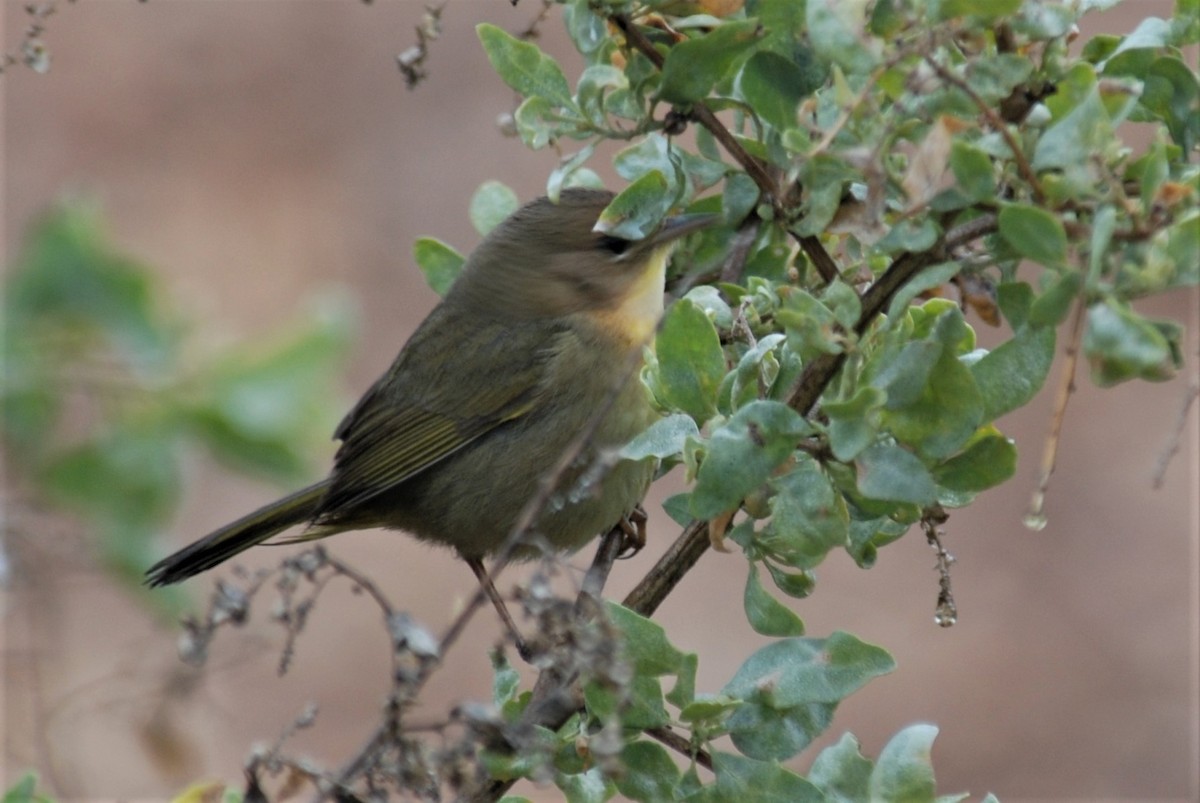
(221, 545)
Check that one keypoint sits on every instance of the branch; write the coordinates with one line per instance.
(816, 376)
(1026, 170)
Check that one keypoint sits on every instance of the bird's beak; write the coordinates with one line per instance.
(680, 225)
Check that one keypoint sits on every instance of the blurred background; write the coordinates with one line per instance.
(269, 167)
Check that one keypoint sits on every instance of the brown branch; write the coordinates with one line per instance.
(682, 746)
(701, 113)
(816, 376)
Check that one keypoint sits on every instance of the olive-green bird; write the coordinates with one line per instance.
(545, 322)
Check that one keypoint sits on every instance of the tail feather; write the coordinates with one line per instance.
(221, 545)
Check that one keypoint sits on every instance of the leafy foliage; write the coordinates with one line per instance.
(99, 408)
(821, 390)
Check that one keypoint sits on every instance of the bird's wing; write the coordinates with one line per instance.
(424, 410)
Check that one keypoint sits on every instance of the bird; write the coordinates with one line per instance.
(540, 337)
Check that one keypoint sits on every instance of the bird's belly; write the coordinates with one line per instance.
(472, 500)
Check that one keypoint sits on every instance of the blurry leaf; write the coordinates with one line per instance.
(695, 65)
(1052, 306)
(773, 87)
(836, 31)
(994, 78)
(586, 28)
(739, 198)
(638, 210)
(439, 263)
(691, 363)
(650, 773)
(523, 66)
(982, 10)
(766, 614)
(1034, 233)
(68, 279)
(929, 162)
(841, 772)
(889, 472)
(646, 642)
(742, 453)
(265, 411)
(740, 778)
(585, 787)
(904, 770)
(973, 170)
(1121, 345)
(490, 205)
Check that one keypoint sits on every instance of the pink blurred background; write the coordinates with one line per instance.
(258, 153)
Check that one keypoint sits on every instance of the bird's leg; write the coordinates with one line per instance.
(489, 588)
(633, 525)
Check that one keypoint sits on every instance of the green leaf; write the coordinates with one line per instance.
(1034, 233)
(765, 613)
(808, 516)
(798, 671)
(645, 642)
(773, 87)
(950, 406)
(1010, 375)
(904, 771)
(797, 585)
(888, 472)
(986, 462)
(1052, 306)
(650, 773)
(791, 689)
(586, 28)
(691, 363)
(742, 453)
(1071, 141)
(973, 170)
(694, 66)
(524, 67)
(740, 778)
(664, 438)
(491, 204)
(638, 210)
(739, 198)
(439, 263)
(841, 772)
(1121, 345)
(854, 423)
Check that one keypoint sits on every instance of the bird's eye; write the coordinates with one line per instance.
(614, 245)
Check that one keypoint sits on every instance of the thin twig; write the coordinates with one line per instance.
(682, 746)
(994, 120)
(1176, 438)
(1035, 519)
(702, 114)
